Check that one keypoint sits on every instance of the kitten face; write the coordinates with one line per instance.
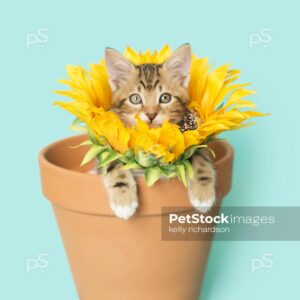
(153, 92)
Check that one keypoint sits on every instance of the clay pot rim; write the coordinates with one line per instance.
(65, 185)
(43, 153)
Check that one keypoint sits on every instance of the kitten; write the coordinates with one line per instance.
(156, 92)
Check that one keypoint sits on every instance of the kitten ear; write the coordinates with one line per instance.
(118, 67)
(179, 63)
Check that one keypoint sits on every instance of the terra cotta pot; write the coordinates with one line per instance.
(115, 259)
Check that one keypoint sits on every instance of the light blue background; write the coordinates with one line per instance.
(266, 159)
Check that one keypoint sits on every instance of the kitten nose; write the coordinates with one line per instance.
(151, 116)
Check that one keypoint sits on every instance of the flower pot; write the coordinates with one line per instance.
(115, 259)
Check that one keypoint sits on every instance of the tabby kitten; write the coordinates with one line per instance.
(156, 92)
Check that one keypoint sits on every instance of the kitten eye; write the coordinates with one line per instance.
(135, 99)
(165, 98)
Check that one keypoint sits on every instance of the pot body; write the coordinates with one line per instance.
(115, 259)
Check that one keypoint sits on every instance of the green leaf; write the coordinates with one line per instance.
(103, 140)
(210, 150)
(169, 170)
(93, 138)
(123, 159)
(190, 151)
(82, 129)
(131, 165)
(103, 154)
(129, 154)
(188, 168)
(77, 121)
(112, 155)
(76, 127)
(170, 174)
(180, 170)
(152, 174)
(127, 157)
(145, 159)
(85, 143)
(92, 153)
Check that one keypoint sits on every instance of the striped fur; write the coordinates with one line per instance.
(147, 83)
(150, 81)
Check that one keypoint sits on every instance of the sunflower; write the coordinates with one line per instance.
(218, 101)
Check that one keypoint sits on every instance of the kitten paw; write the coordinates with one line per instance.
(202, 188)
(124, 211)
(202, 195)
(122, 191)
(123, 200)
(203, 206)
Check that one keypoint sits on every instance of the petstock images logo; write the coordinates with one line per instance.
(231, 224)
